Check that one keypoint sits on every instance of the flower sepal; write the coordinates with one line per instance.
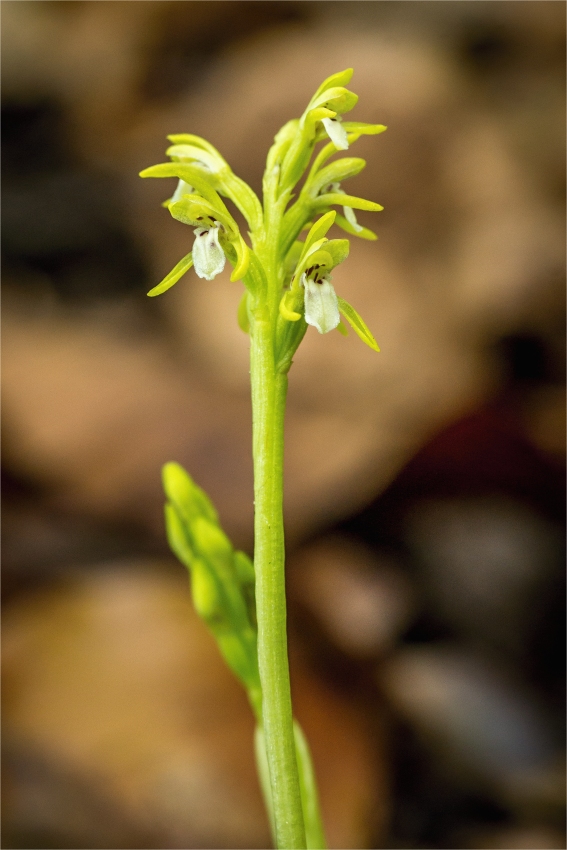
(213, 162)
(362, 129)
(174, 275)
(357, 324)
(354, 130)
(197, 142)
(190, 174)
(344, 200)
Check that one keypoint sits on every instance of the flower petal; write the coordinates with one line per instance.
(351, 218)
(321, 305)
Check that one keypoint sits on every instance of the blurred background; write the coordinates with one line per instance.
(424, 485)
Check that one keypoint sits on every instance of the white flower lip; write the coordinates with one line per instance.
(208, 256)
(321, 305)
(336, 133)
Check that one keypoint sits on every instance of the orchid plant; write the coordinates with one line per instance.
(288, 286)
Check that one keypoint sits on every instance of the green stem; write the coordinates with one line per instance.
(268, 406)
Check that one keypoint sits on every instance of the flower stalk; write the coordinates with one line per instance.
(288, 287)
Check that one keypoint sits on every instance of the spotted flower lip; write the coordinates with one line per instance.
(321, 303)
(336, 132)
(208, 255)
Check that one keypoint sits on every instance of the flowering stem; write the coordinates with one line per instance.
(268, 406)
(289, 287)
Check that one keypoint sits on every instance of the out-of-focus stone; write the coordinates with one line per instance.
(478, 719)
(483, 562)
(363, 601)
(516, 838)
(545, 420)
(124, 728)
(94, 409)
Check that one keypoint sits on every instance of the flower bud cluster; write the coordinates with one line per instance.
(222, 579)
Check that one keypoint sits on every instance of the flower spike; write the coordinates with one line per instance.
(286, 268)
